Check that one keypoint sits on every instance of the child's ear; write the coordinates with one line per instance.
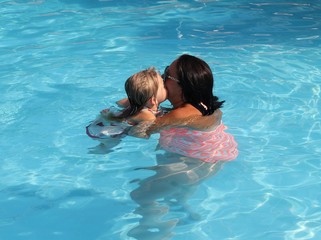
(153, 101)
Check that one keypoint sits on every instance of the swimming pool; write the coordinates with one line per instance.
(61, 62)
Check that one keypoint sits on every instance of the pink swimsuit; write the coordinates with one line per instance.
(208, 146)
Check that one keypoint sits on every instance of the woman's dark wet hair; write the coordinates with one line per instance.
(197, 81)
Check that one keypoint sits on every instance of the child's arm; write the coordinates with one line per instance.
(109, 115)
(124, 103)
(142, 116)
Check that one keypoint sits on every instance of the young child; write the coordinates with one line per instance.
(145, 91)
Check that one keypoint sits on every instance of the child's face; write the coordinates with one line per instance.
(161, 92)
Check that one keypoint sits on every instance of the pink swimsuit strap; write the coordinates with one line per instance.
(208, 146)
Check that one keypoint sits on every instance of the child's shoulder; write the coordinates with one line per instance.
(143, 115)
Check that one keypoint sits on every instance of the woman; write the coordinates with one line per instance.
(193, 128)
(191, 131)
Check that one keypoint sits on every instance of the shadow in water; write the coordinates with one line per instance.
(105, 146)
(162, 198)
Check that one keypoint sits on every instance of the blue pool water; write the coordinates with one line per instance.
(62, 61)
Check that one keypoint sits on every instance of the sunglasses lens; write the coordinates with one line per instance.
(165, 73)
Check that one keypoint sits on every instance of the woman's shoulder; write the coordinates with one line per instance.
(185, 111)
(196, 120)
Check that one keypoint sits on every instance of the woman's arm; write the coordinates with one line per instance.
(182, 117)
(195, 121)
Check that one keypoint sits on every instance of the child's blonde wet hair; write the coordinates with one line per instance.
(140, 88)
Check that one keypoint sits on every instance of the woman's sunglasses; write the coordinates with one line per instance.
(166, 75)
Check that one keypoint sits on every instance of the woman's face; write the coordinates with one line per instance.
(174, 90)
(161, 91)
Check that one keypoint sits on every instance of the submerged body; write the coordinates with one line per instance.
(208, 146)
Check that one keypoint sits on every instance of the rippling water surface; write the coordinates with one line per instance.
(61, 62)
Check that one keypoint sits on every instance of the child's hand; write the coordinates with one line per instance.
(105, 112)
(109, 114)
(123, 103)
